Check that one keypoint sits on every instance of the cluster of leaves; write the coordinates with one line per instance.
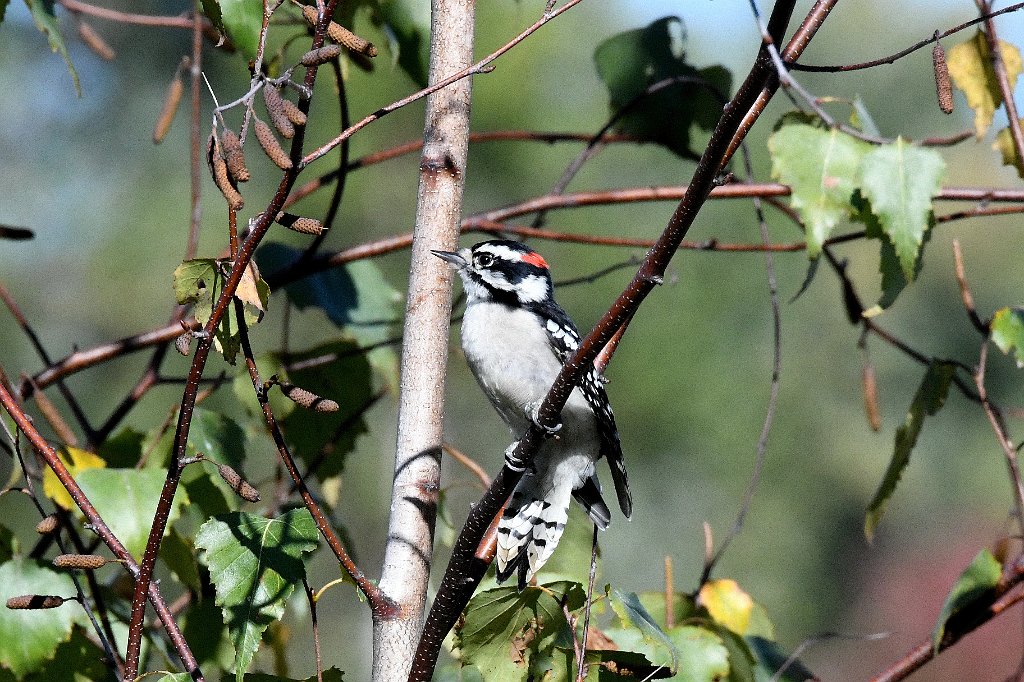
(717, 633)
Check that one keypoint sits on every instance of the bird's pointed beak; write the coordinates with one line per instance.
(452, 257)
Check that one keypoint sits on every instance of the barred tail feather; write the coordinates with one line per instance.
(529, 531)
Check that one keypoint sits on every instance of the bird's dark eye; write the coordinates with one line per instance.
(485, 260)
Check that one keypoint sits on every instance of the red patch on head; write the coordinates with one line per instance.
(534, 258)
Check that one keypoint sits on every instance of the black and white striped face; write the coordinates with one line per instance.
(501, 271)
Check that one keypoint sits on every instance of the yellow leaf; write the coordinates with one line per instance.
(970, 67)
(76, 461)
(1004, 145)
(247, 291)
(727, 603)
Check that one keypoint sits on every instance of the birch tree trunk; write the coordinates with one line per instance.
(406, 568)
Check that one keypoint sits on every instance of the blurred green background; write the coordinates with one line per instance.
(690, 381)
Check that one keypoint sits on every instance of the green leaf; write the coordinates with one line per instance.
(823, 168)
(127, 501)
(702, 655)
(978, 581)
(639, 632)
(771, 657)
(208, 492)
(3, 9)
(970, 67)
(200, 281)
(632, 61)
(503, 629)
(1007, 329)
(29, 637)
(899, 180)
(255, 564)
(683, 606)
(243, 21)
(46, 22)
(407, 25)
(355, 297)
(893, 279)
(176, 677)
(930, 398)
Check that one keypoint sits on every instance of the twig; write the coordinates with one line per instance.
(316, 629)
(760, 451)
(581, 672)
(481, 66)
(37, 345)
(965, 291)
(903, 53)
(137, 19)
(468, 462)
(996, 420)
(926, 651)
(995, 55)
(379, 602)
(670, 595)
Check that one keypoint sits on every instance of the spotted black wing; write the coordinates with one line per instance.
(565, 339)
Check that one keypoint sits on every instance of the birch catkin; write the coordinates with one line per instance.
(943, 86)
(300, 223)
(321, 55)
(83, 562)
(308, 399)
(276, 108)
(219, 170)
(35, 601)
(233, 156)
(241, 487)
(95, 42)
(170, 107)
(342, 35)
(265, 136)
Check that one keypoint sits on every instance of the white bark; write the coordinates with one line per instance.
(416, 483)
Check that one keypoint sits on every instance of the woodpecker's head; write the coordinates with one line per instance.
(501, 271)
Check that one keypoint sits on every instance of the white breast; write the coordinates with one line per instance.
(511, 357)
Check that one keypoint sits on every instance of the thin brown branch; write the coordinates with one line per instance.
(996, 420)
(377, 599)
(37, 345)
(995, 55)
(128, 18)
(414, 146)
(468, 462)
(914, 659)
(481, 66)
(965, 291)
(903, 53)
